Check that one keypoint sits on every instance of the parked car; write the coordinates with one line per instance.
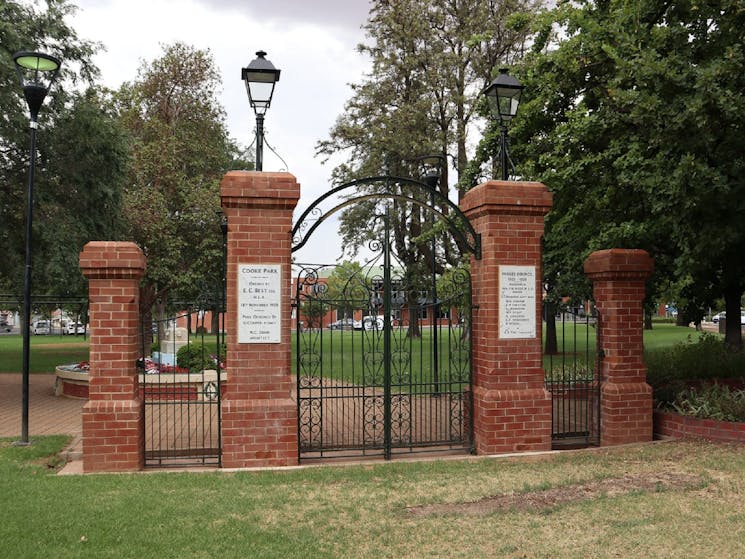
(372, 323)
(723, 315)
(40, 327)
(342, 324)
(74, 328)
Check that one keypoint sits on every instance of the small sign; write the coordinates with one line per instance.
(259, 303)
(517, 310)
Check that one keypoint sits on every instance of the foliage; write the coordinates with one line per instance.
(670, 368)
(180, 150)
(80, 152)
(430, 60)
(198, 356)
(632, 116)
(710, 401)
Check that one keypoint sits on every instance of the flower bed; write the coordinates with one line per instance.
(704, 409)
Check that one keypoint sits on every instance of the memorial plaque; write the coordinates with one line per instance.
(259, 303)
(517, 310)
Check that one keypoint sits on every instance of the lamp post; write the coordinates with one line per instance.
(503, 96)
(36, 72)
(431, 179)
(260, 77)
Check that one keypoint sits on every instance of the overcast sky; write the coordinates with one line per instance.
(313, 42)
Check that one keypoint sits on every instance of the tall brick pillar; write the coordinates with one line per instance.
(618, 278)
(259, 416)
(113, 417)
(512, 409)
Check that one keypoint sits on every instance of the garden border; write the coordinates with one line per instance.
(671, 424)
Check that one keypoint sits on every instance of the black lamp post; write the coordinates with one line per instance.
(260, 77)
(503, 96)
(431, 179)
(36, 72)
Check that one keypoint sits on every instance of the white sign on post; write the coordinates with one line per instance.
(517, 309)
(259, 303)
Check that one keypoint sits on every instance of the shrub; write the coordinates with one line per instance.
(711, 401)
(198, 356)
(708, 358)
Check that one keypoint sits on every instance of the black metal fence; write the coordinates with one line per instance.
(182, 376)
(572, 377)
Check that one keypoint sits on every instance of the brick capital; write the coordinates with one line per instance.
(501, 197)
(618, 263)
(112, 260)
(245, 189)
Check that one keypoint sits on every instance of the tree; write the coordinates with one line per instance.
(430, 60)
(632, 116)
(80, 153)
(180, 150)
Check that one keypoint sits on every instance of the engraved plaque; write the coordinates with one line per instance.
(259, 303)
(517, 310)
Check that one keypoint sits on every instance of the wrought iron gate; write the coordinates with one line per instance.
(383, 359)
(572, 378)
(181, 383)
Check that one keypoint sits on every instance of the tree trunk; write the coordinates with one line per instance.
(733, 330)
(647, 320)
(552, 343)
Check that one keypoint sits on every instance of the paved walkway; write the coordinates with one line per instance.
(47, 414)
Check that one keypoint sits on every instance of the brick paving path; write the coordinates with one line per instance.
(48, 414)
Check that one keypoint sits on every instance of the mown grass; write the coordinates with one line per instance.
(341, 347)
(362, 510)
(45, 352)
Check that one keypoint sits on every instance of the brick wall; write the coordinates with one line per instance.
(113, 416)
(512, 409)
(618, 277)
(259, 417)
(682, 427)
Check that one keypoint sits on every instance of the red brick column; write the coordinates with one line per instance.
(512, 409)
(113, 427)
(259, 416)
(618, 278)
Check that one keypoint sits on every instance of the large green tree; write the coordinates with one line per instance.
(633, 117)
(180, 149)
(80, 153)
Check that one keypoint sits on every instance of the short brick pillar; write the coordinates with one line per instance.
(511, 408)
(113, 417)
(259, 416)
(618, 278)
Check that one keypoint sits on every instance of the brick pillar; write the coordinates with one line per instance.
(259, 416)
(618, 278)
(113, 417)
(512, 408)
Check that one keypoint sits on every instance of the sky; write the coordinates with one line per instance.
(313, 43)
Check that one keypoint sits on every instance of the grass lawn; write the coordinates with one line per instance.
(45, 353)
(671, 499)
(49, 351)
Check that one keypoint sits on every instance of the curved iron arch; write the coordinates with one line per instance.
(458, 223)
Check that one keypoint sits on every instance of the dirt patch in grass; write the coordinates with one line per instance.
(548, 498)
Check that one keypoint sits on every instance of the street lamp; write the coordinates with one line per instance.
(503, 96)
(260, 77)
(36, 72)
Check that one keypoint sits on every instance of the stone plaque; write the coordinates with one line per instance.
(517, 310)
(259, 303)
